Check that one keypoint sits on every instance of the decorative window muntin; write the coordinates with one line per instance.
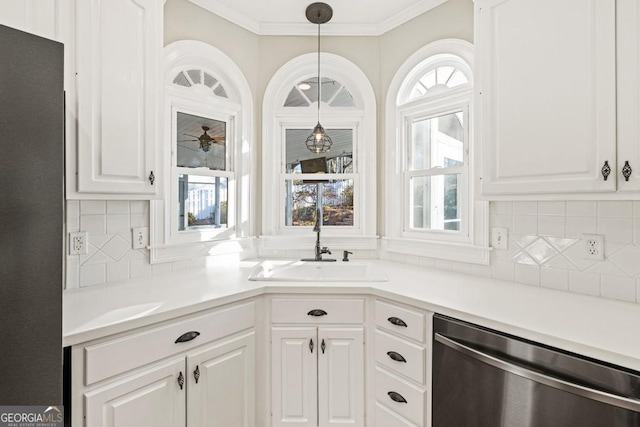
(305, 93)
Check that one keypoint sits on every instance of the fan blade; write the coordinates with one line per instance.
(192, 136)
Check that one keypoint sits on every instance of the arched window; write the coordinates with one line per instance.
(298, 182)
(430, 141)
(207, 116)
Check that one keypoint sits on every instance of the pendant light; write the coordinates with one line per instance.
(319, 142)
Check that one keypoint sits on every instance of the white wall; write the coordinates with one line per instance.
(544, 247)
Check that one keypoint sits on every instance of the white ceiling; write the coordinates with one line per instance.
(287, 17)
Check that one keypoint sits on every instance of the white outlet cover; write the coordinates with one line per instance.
(593, 247)
(78, 243)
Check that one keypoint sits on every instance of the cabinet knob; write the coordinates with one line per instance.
(152, 178)
(317, 313)
(187, 336)
(196, 374)
(397, 397)
(323, 346)
(311, 345)
(626, 170)
(606, 170)
(397, 321)
(181, 380)
(396, 356)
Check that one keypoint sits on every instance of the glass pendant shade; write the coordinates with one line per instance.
(319, 142)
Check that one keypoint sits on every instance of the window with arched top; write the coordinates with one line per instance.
(430, 204)
(208, 155)
(298, 182)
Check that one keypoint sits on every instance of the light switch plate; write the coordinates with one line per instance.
(500, 238)
(140, 237)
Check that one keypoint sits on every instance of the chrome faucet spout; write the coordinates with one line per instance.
(318, 224)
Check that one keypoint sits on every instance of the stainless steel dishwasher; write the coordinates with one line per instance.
(484, 378)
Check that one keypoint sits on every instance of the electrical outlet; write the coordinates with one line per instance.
(500, 238)
(593, 246)
(78, 243)
(140, 237)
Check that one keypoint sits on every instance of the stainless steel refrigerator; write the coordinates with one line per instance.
(31, 218)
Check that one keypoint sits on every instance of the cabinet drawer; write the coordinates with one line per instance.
(414, 404)
(400, 356)
(387, 418)
(400, 320)
(113, 357)
(328, 311)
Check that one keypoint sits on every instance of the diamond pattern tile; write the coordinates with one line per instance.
(116, 248)
(627, 259)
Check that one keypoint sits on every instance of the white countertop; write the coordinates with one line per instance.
(603, 329)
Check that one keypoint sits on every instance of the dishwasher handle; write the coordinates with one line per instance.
(557, 383)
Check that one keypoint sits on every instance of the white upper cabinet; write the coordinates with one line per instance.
(628, 79)
(119, 46)
(546, 87)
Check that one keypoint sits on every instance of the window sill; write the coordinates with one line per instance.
(441, 250)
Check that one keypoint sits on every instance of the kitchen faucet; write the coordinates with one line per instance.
(319, 250)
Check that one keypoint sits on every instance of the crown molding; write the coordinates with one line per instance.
(304, 29)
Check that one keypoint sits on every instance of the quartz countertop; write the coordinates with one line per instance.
(604, 329)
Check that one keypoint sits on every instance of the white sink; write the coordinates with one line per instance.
(309, 271)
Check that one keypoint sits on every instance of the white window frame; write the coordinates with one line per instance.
(470, 243)
(277, 118)
(168, 243)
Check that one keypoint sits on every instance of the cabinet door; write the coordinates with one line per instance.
(341, 377)
(294, 376)
(546, 89)
(119, 43)
(628, 78)
(222, 384)
(152, 398)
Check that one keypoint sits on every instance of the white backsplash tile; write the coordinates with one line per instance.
(117, 207)
(551, 225)
(621, 288)
(93, 224)
(615, 209)
(545, 246)
(576, 226)
(525, 208)
(525, 224)
(618, 229)
(118, 271)
(551, 208)
(584, 283)
(582, 208)
(93, 207)
(554, 278)
(528, 274)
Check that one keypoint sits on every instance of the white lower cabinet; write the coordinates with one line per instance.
(401, 365)
(195, 372)
(317, 363)
(150, 398)
(317, 376)
(221, 384)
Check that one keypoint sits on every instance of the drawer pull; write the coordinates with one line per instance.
(188, 336)
(181, 380)
(196, 374)
(396, 356)
(317, 313)
(397, 321)
(397, 397)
